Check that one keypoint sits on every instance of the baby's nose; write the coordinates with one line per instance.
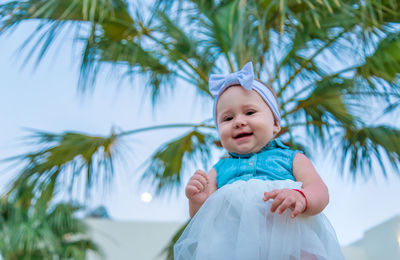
(240, 121)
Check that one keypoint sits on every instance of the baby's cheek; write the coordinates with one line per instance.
(222, 140)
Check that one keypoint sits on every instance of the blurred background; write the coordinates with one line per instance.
(106, 113)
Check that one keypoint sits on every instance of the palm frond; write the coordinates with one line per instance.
(108, 18)
(168, 250)
(366, 148)
(78, 249)
(218, 26)
(184, 44)
(61, 219)
(136, 59)
(94, 11)
(325, 105)
(167, 164)
(42, 234)
(89, 158)
(71, 230)
(384, 63)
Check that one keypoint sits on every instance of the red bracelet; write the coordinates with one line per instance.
(302, 193)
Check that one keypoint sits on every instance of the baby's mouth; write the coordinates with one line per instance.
(240, 135)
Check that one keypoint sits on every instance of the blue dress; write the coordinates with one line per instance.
(234, 223)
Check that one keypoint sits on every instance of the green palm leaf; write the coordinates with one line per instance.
(325, 105)
(168, 251)
(104, 17)
(28, 233)
(364, 148)
(167, 164)
(87, 157)
(71, 230)
(384, 63)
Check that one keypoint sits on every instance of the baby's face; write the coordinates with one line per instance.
(245, 122)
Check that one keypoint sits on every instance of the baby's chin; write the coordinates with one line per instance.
(246, 151)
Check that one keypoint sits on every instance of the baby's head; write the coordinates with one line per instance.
(245, 112)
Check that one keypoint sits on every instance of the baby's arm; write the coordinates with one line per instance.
(314, 189)
(199, 188)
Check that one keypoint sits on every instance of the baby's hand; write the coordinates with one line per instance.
(197, 187)
(284, 199)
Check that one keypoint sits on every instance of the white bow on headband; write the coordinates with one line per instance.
(244, 77)
(219, 82)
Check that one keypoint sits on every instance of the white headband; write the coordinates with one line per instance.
(245, 78)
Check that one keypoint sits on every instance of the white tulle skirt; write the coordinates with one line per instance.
(236, 224)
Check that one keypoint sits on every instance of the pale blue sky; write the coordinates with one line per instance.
(46, 99)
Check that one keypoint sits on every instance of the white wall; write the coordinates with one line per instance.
(380, 242)
(124, 240)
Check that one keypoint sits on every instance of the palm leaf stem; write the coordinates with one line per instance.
(306, 62)
(315, 100)
(188, 80)
(190, 76)
(184, 70)
(311, 85)
(202, 75)
(52, 33)
(373, 93)
(276, 73)
(318, 123)
(228, 59)
(41, 27)
(277, 67)
(180, 55)
(135, 131)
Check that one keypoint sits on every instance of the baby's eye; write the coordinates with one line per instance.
(228, 118)
(249, 113)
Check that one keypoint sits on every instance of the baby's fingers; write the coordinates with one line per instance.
(199, 184)
(191, 190)
(276, 203)
(200, 178)
(270, 195)
(286, 203)
(201, 173)
(297, 210)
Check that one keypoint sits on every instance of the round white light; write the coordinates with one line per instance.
(398, 239)
(146, 197)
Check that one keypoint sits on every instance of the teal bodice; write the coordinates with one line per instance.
(273, 162)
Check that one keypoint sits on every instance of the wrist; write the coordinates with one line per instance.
(196, 201)
(304, 196)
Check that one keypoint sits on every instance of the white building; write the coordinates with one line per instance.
(124, 240)
(380, 242)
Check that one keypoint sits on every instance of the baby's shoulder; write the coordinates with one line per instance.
(220, 162)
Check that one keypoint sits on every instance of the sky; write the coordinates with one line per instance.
(45, 97)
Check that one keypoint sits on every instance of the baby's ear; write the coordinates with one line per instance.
(276, 128)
